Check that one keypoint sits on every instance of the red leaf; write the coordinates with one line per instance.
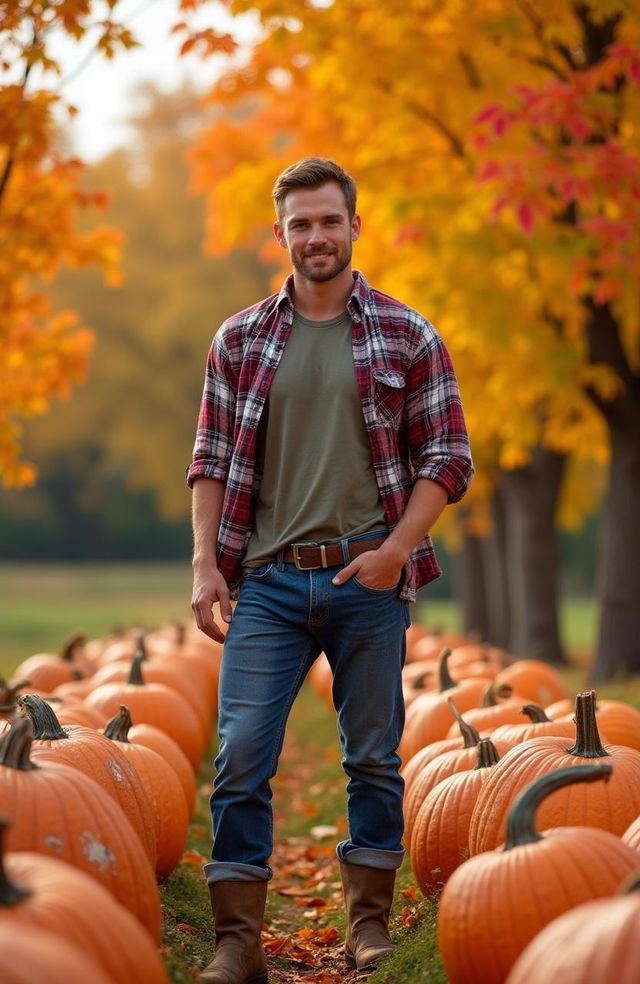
(187, 928)
(525, 216)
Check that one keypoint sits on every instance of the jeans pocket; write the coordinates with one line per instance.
(258, 573)
(375, 591)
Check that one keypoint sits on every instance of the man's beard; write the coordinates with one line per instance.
(339, 260)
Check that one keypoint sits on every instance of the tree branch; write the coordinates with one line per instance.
(427, 116)
(9, 163)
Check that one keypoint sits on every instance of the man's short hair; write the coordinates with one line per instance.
(313, 172)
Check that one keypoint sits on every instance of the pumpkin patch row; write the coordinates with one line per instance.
(520, 810)
(98, 751)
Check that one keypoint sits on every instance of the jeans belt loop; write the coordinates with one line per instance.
(344, 544)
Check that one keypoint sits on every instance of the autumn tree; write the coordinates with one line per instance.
(476, 132)
(42, 351)
(131, 427)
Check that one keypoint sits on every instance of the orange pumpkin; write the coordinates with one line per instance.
(536, 680)
(58, 811)
(429, 716)
(153, 703)
(44, 893)
(538, 726)
(494, 904)
(171, 674)
(90, 752)
(596, 942)
(611, 806)
(29, 954)
(150, 737)
(46, 671)
(440, 837)
(164, 790)
(446, 764)
(467, 737)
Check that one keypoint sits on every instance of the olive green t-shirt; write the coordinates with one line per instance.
(318, 481)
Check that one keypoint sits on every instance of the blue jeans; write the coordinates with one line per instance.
(283, 620)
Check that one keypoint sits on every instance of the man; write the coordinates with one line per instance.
(330, 438)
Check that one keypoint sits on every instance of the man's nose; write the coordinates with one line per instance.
(317, 234)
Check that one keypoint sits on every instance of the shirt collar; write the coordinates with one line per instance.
(355, 304)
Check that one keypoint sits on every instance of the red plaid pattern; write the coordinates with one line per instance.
(410, 401)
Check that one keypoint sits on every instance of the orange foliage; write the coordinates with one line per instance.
(42, 352)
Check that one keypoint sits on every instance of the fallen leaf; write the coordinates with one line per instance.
(187, 928)
(193, 857)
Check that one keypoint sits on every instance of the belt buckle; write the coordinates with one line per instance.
(295, 547)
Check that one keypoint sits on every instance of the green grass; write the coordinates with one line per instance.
(42, 604)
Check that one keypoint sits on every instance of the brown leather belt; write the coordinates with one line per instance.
(309, 556)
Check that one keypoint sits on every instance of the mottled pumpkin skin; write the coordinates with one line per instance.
(69, 903)
(595, 943)
(57, 810)
(494, 904)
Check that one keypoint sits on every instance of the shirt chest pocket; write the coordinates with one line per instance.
(388, 396)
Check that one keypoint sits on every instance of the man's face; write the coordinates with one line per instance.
(316, 230)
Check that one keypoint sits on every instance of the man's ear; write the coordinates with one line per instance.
(279, 234)
(356, 225)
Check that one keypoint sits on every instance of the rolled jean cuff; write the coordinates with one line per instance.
(370, 857)
(215, 871)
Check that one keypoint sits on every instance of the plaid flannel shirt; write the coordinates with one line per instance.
(410, 402)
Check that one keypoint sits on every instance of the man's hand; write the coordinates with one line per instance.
(379, 569)
(210, 587)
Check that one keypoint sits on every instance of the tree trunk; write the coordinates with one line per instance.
(531, 496)
(471, 588)
(483, 587)
(618, 651)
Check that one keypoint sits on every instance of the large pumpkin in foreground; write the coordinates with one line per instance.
(494, 904)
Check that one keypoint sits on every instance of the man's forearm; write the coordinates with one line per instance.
(206, 510)
(426, 502)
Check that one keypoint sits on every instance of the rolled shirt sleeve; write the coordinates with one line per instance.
(214, 436)
(437, 434)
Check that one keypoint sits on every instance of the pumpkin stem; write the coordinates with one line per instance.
(118, 727)
(70, 649)
(470, 735)
(135, 676)
(15, 746)
(8, 693)
(536, 713)
(43, 718)
(494, 692)
(487, 754)
(588, 743)
(10, 893)
(521, 828)
(445, 680)
(181, 633)
(141, 647)
(632, 884)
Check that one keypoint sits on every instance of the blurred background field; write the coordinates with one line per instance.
(42, 604)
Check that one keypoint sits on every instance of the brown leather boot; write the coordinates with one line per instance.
(368, 894)
(238, 911)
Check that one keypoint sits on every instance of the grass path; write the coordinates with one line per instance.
(304, 918)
